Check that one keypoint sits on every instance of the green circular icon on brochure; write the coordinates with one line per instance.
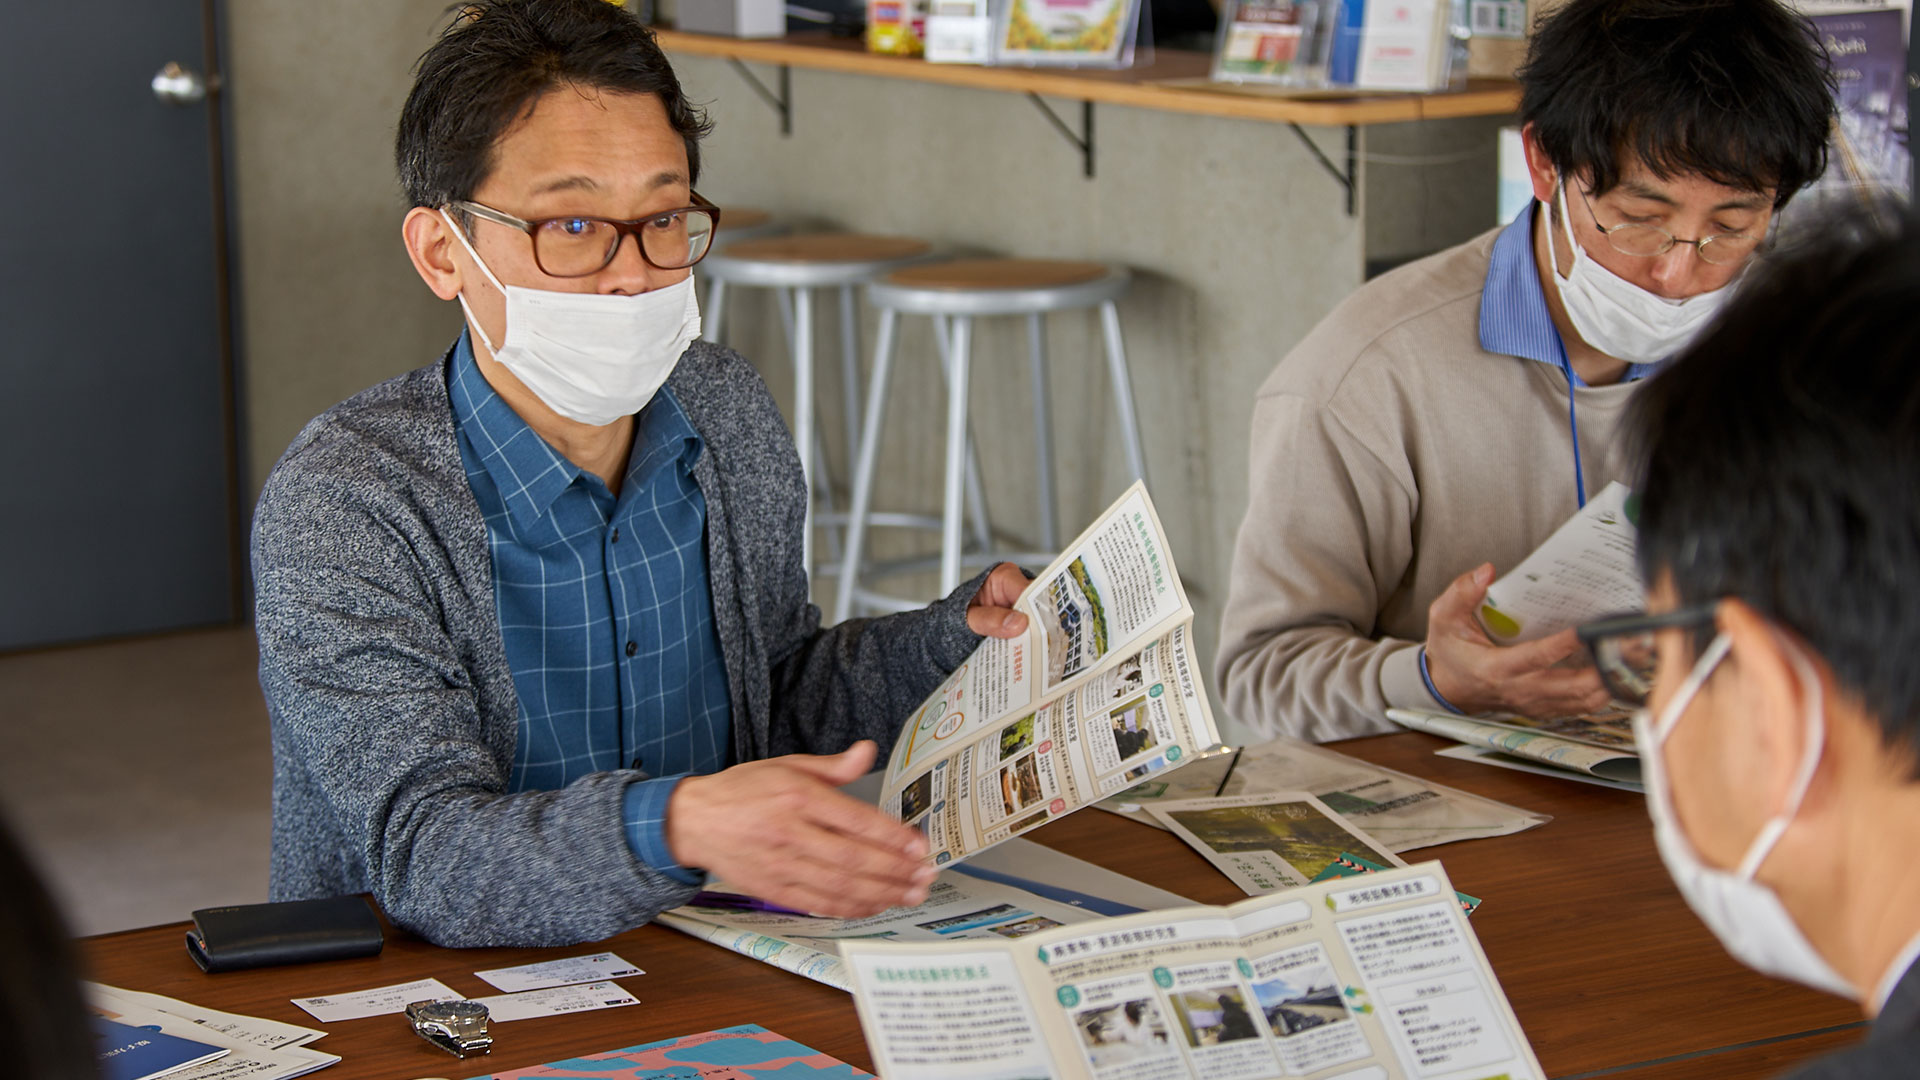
(941, 859)
(1173, 753)
(1069, 997)
(1246, 969)
(1163, 977)
(1158, 689)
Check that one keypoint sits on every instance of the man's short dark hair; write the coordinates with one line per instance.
(1780, 459)
(1737, 91)
(493, 62)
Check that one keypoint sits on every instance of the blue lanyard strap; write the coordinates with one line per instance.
(1573, 424)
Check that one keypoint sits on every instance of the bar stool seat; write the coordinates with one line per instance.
(794, 265)
(954, 293)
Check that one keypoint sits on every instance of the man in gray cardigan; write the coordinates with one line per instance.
(534, 629)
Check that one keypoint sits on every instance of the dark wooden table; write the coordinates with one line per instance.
(1606, 968)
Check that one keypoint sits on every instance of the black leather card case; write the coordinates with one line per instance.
(287, 932)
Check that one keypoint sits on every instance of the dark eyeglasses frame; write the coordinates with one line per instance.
(623, 227)
(1620, 680)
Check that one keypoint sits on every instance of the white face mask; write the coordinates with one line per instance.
(1745, 915)
(1622, 319)
(591, 357)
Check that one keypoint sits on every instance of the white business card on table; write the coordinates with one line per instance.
(379, 1001)
(574, 969)
(556, 1000)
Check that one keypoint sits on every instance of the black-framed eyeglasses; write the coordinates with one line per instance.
(1623, 647)
(576, 245)
(1648, 241)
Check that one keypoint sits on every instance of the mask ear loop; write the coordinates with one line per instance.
(461, 235)
(1815, 715)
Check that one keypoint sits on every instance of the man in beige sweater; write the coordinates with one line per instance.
(1447, 417)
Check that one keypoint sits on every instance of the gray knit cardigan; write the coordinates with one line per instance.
(393, 708)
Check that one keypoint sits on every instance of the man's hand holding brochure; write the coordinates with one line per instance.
(1102, 692)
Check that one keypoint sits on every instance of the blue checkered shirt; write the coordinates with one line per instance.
(605, 607)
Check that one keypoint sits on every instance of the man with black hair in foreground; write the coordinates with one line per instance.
(1445, 419)
(534, 629)
(1780, 539)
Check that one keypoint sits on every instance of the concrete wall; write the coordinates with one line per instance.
(327, 302)
(1239, 239)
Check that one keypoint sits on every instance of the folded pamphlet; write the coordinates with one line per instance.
(960, 906)
(1101, 693)
(1560, 753)
(1585, 571)
(251, 1048)
(1401, 812)
(1378, 976)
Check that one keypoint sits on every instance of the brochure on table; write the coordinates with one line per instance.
(1379, 975)
(1265, 843)
(1071, 33)
(255, 1049)
(961, 906)
(740, 1051)
(1103, 691)
(1566, 754)
(1399, 811)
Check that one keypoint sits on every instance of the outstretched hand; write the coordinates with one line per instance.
(778, 830)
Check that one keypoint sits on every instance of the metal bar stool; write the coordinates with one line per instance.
(795, 266)
(957, 292)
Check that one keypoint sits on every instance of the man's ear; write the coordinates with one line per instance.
(430, 243)
(1539, 167)
(1766, 699)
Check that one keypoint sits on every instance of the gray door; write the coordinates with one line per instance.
(116, 484)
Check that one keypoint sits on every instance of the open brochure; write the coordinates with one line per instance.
(1016, 892)
(1585, 571)
(1379, 977)
(1102, 692)
(1399, 811)
(1622, 766)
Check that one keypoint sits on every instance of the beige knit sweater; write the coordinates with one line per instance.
(1391, 453)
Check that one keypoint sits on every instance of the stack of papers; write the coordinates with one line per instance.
(252, 1047)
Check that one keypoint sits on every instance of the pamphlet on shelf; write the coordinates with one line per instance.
(959, 32)
(1585, 571)
(1377, 976)
(1103, 691)
(1401, 812)
(1069, 33)
(1405, 45)
(1281, 42)
(744, 1050)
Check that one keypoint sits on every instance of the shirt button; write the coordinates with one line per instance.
(616, 536)
(632, 648)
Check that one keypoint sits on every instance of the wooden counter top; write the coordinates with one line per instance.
(1176, 81)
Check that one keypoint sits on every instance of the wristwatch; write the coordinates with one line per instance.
(459, 1027)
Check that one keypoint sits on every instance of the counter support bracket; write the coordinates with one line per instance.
(1349, 178)
(1083, 141)
(781, 103)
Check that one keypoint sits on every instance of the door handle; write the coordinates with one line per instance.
(176, 85)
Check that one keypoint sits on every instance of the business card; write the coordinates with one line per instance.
(556, 1000)
(574, 969)
(379, 1001)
